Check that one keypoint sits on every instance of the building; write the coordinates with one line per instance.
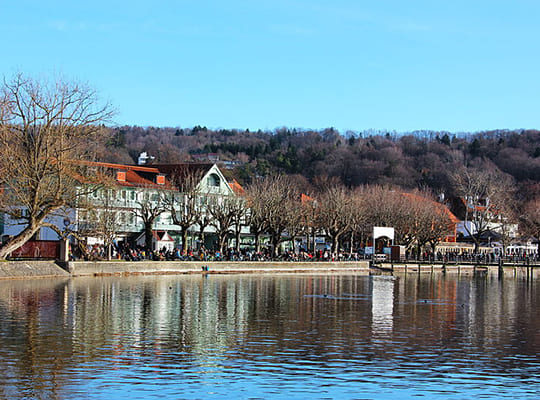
(117, 210)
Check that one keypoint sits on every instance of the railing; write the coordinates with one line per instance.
(473, 259)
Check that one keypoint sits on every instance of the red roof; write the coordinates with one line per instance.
(304, 198)
(440, 206)
(237, 188)
(135, 175)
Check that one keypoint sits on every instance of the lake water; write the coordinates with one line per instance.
(270, 337)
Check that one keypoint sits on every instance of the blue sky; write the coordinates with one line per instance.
(353, 65)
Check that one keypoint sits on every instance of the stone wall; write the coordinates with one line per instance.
(84, 268)
(30, 269)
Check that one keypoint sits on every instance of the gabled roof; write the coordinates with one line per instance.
(159, 236)
(133, 175)
(162, 236)
(134, 179)
(146, 176)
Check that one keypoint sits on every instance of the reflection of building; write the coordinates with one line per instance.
(181, 330)
(382, 305)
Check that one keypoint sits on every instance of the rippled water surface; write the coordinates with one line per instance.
(264, 337)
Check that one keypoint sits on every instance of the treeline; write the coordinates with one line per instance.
(422, 159)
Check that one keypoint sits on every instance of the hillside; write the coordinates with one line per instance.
(418, 159)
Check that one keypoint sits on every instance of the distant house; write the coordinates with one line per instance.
(160, 240)
(481, 217)
(206, 157)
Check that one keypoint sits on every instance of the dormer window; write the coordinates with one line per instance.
(213, 180)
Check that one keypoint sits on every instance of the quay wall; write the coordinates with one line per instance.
(45, 269)
(31, 269)
(86, 268)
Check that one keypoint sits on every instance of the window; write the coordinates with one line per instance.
(213, 180)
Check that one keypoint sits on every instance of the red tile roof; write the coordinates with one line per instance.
(136, 176)
(237, 188)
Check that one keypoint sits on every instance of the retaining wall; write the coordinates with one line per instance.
(85, 268)
(42, 269)
(30, 269)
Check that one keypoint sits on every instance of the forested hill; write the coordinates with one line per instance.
(418, 159)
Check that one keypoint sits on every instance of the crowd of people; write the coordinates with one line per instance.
(141, 253)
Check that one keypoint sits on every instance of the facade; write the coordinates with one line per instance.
(115, 212)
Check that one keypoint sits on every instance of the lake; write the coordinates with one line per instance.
(270, 337)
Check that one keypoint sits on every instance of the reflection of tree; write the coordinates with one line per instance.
(170, 325)
(32, 359)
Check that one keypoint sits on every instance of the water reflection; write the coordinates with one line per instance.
(268, 336)
(382, 306)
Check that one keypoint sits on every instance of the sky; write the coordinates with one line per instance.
(456, 66)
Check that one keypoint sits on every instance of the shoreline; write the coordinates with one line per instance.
(51, 269)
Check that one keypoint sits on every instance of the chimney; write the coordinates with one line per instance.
(121, 176)
(160, 179)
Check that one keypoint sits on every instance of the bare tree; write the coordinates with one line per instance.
(223, 211)
(485, 195)
(334, 213)
(388, 207)
(255, 217)
(44, 128)
(309, 220)
(295, 217)
(530, 219)
(273, 195)
(359, 213)
(239, 212)
(430, 221)
(150, 205)
(183, 203)
(99, 219)
(203, 220)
